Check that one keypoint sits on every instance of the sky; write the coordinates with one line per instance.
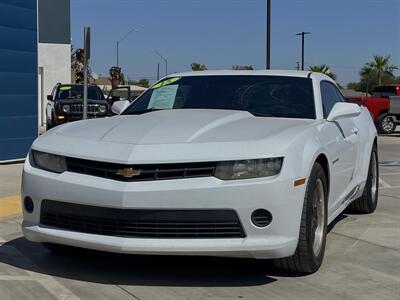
(345, 34)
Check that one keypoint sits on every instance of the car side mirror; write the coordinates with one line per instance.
(119, 106)
(343, 110)
(50, 97)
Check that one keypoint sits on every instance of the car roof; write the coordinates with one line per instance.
(290, 73)
(75, 84)
(388, 85)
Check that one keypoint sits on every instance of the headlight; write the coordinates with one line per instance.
(102, 109)
(245, 169)
(49, 162)
(66, 108)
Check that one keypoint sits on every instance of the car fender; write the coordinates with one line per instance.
(367, 137)
(305, 148)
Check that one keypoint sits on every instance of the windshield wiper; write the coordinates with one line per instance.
(143, 111)
(260, 114)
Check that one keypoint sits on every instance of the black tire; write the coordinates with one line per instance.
(304, 260)
(385, 124)
(48, 126)
(368, 202)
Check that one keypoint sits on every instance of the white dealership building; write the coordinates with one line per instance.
(54, 49)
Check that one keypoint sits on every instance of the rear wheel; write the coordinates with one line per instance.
(369, 200)
(386, 124)
(312, 239)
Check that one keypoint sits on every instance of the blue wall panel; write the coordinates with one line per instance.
(18, 77)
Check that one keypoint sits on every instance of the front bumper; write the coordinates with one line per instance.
(276, 194)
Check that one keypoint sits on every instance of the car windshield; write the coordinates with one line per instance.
(73, 92)
(265, 96)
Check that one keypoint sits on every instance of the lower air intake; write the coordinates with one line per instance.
(141, 223)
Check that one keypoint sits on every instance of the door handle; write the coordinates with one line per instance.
(355, 130)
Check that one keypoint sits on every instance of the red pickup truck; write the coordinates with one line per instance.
(384, 106)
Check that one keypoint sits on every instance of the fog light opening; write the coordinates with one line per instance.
(261, 217)
(28, 204)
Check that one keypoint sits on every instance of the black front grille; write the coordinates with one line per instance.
(78, 108)
(141, 223)
(140, 172)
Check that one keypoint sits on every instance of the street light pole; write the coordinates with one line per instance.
(86, 70)
(164, 59)
(118, 54)
(268, 39)
(302, 34)
(123, 38)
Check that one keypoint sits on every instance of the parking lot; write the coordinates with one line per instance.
(362, 260)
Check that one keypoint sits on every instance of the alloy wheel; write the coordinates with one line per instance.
(318, 217)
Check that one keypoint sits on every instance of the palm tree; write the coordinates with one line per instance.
(245, 67)
(380, 66)
(324, 69)
(198, 67)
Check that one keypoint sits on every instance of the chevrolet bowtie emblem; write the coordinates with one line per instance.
(129, 172)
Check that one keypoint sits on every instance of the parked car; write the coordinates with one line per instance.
(384, 106)
(220, 163)
(65, 104)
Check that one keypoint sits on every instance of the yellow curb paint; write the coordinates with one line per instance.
(10, 206)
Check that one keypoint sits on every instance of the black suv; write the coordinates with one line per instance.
(65, 104)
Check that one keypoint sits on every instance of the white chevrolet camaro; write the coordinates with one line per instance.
(221, 163)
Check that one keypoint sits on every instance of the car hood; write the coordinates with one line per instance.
(169, 132)
(179, 126)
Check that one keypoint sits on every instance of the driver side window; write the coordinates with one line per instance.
(329, 96)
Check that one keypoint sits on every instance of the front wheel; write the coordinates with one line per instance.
(369, 200)
(385, 124)
(313, 227)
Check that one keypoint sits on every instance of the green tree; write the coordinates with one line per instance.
(239, 67)
(380, 67)
(324, 69)
(198, 67)
(354, 86)
(142, 82)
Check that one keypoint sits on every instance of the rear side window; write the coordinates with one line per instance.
(329, 96)
(384, 91)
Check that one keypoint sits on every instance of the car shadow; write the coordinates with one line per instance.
(119, 269)
(145, 270)
(339, 218)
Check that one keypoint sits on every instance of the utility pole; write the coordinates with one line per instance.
(268, 39)
(302, 34)
(164, 59)
(85, 70)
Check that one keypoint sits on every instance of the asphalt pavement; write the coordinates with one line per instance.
(362, 259)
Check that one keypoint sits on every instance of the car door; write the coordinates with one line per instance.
(50, 105)
(341, 141)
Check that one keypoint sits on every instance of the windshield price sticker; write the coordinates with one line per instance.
(165, 82)
(65, 88)
(164, 97)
